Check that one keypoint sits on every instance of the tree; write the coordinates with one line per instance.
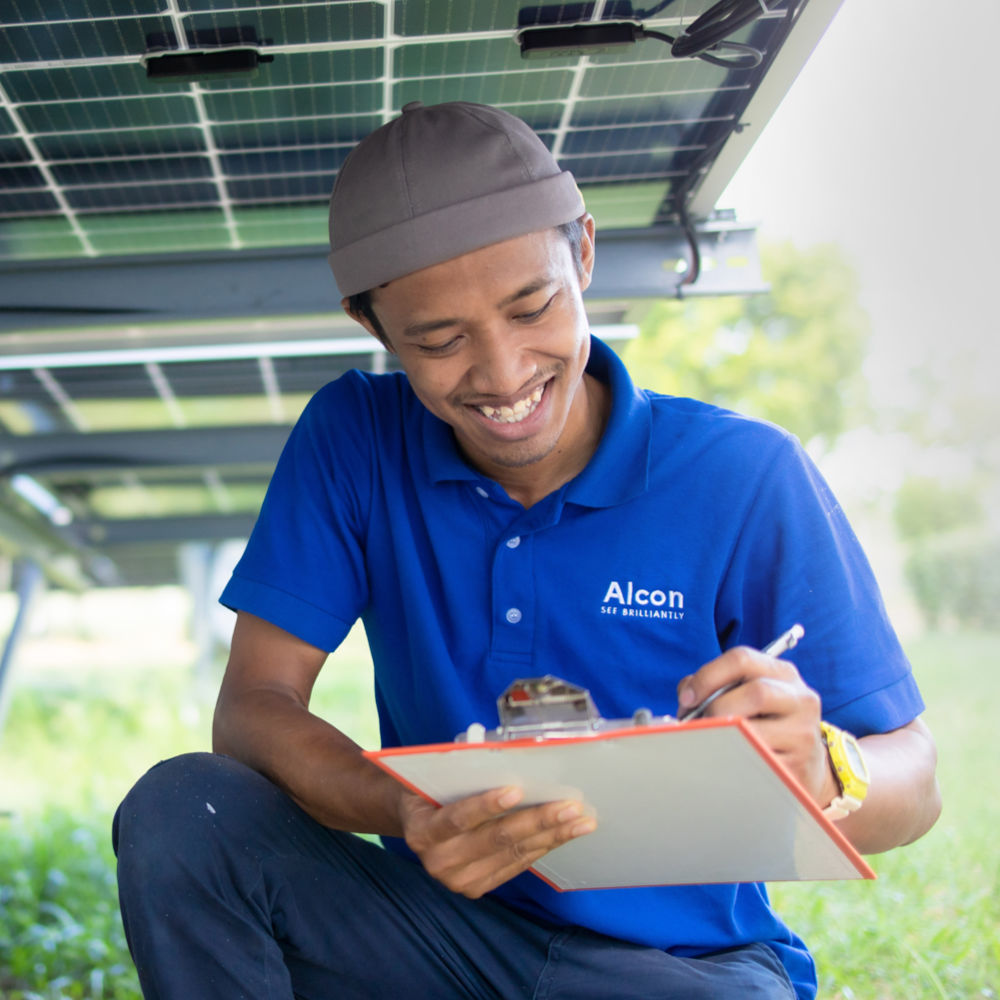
(948, 513)
(792, 355)
(926, 507)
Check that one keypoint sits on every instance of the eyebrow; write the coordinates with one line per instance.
(530, 289)
(433, 325)
(419, 329)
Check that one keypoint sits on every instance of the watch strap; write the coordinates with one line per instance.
(845, 803)
(841, 806)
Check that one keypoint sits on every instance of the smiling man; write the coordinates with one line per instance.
(492, 512)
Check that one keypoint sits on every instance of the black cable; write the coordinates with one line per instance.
(679, 197)
(678, 202)
(708, 33)
(720, 21)
(693, 272)
(706, 38)
(746, 56)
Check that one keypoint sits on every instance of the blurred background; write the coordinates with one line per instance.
(872, 190)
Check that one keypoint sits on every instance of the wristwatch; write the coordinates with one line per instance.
(849, 769)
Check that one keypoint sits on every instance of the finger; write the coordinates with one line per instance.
(529, 854)
(499, 833)
(738, 664)
(496, 850)
(544, 826)
(780, 695)
(788, 712)
(468, 814)
(509, 846)
(797, 744)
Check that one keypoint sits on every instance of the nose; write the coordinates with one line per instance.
(501, 365)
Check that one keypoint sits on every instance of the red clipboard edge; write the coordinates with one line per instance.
(383, 758)
(767, 754)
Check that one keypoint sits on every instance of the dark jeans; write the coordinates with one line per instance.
(228, 890)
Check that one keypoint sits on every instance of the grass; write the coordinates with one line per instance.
(927, 928)
(61, 932)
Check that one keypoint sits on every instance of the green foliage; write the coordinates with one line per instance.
(69, 753)
(792, 356)
(101, 737)
(956, 403)
(925, 507)
(955, 578)
(953, 559)
(61, 934)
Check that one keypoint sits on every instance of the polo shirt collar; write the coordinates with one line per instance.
(619, 469)
(443, 457)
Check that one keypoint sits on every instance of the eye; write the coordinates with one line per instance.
(433, 349)
(528, 317)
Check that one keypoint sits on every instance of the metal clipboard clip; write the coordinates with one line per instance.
(545, 708)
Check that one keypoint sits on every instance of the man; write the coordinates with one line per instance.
(491, 515)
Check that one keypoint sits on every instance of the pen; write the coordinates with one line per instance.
(786, 641)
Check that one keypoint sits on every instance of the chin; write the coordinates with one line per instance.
(521, 457)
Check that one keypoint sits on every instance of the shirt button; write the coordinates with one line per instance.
(512, 543)
(513, 615)
(481, 491)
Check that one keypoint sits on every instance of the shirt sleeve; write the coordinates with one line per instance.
(303, 568)
(797, 559)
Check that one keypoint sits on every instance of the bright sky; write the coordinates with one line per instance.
(887, 144)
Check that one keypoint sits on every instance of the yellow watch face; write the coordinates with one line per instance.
(848, 761)
(854, 759)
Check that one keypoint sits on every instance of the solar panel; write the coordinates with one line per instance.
(154, 231)
(95, 158)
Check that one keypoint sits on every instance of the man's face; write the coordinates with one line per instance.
(495, 343)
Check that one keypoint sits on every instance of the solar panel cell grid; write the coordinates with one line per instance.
(87, 139)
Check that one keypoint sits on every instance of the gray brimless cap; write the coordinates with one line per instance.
(434, 184)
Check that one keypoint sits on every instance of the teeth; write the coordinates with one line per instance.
(516, 413)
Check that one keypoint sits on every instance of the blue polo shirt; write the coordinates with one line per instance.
(691, 530)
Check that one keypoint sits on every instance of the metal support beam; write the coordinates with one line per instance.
(29, 579)
(63, 562)
(195, 561)
(154, 530)
(178, 448)
(640, 263)
(652, 263)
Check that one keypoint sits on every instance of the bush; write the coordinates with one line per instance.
(956, 579)
(926, 508)
(62, 937)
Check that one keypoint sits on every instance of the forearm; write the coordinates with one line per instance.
(320, 767)
(903, 800)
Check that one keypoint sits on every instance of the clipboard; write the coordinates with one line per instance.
(678, 803)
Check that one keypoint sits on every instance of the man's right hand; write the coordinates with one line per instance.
(478, 843)
(263, 719)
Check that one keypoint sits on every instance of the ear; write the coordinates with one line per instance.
(587, 251)
(366, 322)
(345, 304)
